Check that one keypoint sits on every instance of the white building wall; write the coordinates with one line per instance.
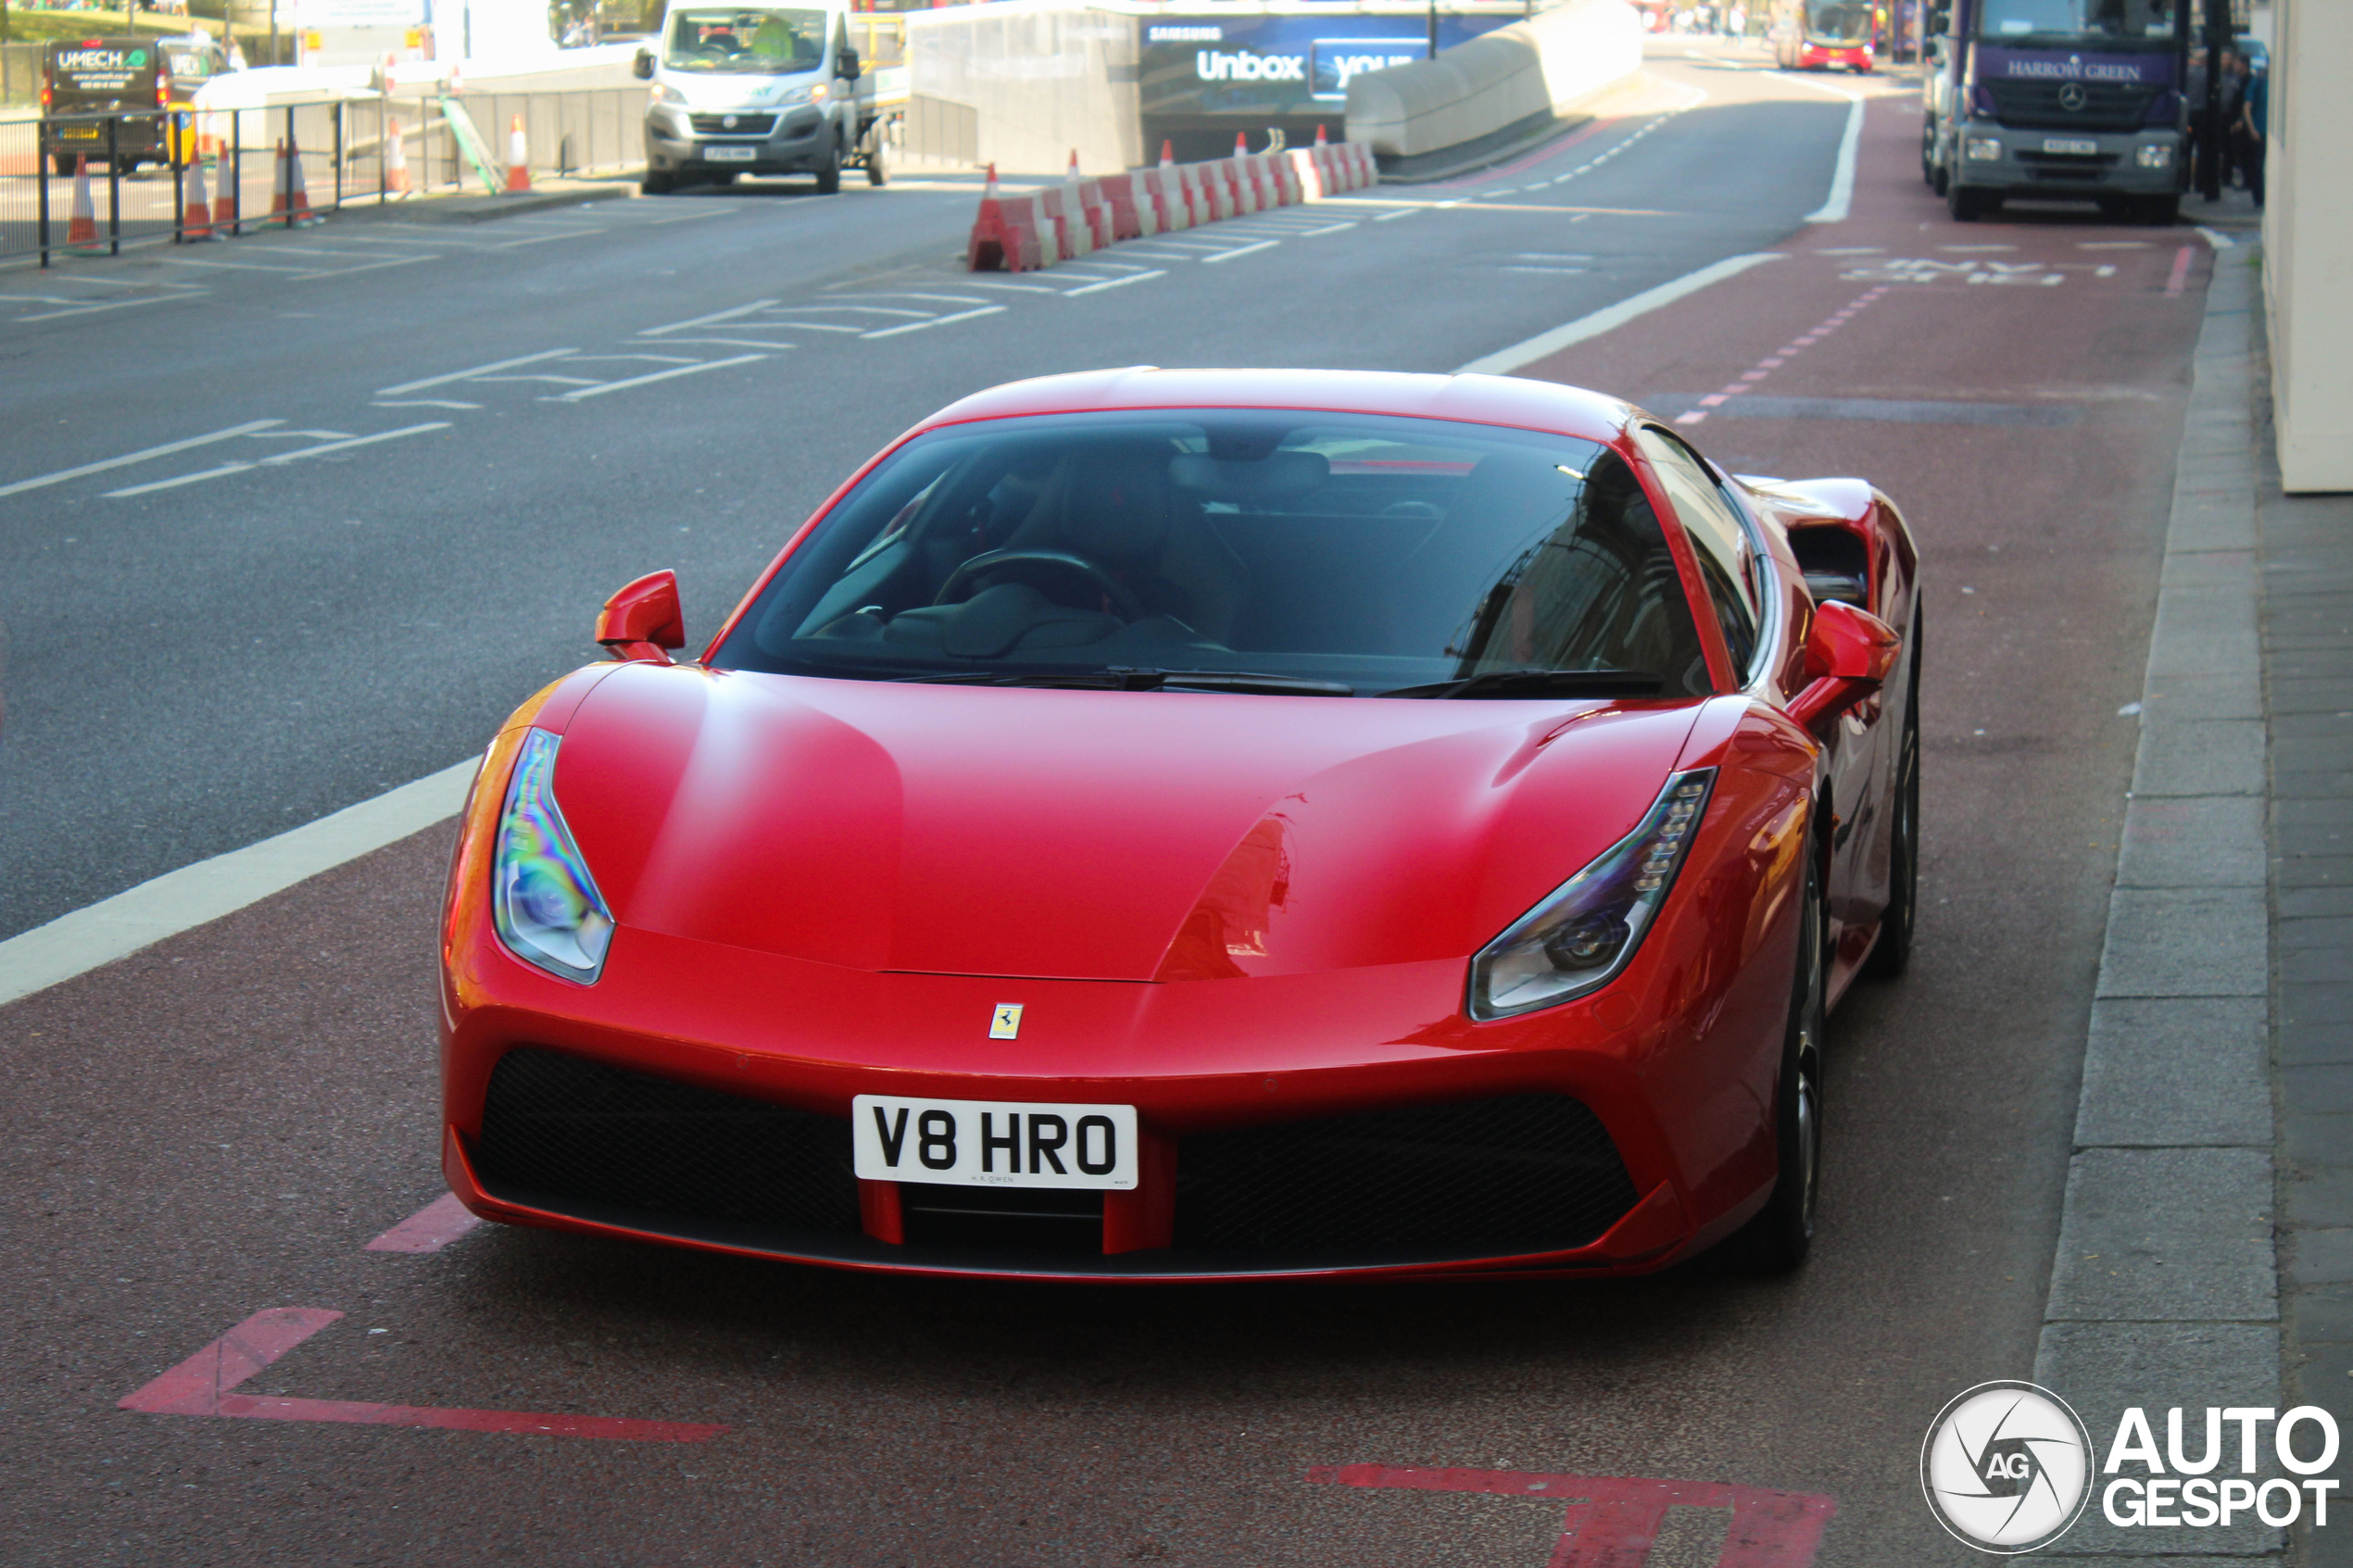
(2308, 241)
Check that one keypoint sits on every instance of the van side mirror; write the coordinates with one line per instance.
(644, 621)
(1849, 653)
(642, 68)
(847, 65)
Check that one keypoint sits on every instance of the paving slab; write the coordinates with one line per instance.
(2166, 1235)
(2206, 841)
(2174, 1073)
(2199, 757)
(2175, 942)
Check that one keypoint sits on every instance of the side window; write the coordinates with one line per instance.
(1719, 540)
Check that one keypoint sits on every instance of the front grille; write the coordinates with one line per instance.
(1527, 1174)
(563, 1129)
(745, 124)
(2108, 105)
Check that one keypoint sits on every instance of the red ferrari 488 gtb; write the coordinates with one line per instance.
(1158, 825)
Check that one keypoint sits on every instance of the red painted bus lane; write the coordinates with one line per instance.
(1612, 1521)
(205, 1385)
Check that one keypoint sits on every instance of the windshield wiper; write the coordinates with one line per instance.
(1118, 678)
(1542, 684)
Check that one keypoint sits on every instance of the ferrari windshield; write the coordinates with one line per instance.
(1360, 554)
(727, 39)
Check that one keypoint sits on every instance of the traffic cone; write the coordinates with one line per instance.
(1242, 145)
(1074, 176)
(396, 162)
(280, 212)
(990, 193)
(196, 223)
(224, 200)
(518, 158)
(1320, 143)
(1167, 154)
(303, 218)
(81, 231)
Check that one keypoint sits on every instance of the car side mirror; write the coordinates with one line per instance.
(847, 65)
(644, 621)
(642, 68)
(1849, 653)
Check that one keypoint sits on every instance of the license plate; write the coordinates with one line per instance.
(731, 155)
(80, 132)
(2068, 144)
(993, 1143)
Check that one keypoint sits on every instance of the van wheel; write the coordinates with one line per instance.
(876, 173)
(829, 173)
(2162, 212)
(654, 185)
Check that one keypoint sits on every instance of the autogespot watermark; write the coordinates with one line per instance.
(2008, 1468)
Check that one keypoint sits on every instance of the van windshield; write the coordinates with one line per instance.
(1356, 552)
(728, 39)
(2092, 24)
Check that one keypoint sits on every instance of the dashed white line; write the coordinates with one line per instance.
(477, 370)
(648, 379)
(164, 451)
(935, 321)
(1246, 250)
(712, 320)
(346, 444)
(1112, 284)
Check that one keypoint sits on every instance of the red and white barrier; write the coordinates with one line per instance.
(1079, 215)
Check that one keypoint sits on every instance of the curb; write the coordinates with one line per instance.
(2165, 1287)
(465, 209)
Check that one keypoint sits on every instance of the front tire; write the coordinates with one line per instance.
(652, 183)
(1891, 954)
(1968, 204)
(829, 173)
(1778, 1238)
(877, 172)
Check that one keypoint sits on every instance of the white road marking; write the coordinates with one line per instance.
(1505, 360)
(641, 358)
(104, 304)
(1393, 217)
(478, 370)
(1015, 288)
(552, 380)
(648, 379)
(2219, 240)
(2112, 245)
(193, 896)
(1525, 266)
(815, 326)
(935, 321)
(364, 266)
(1114, 283)
(712, 320)
(183, 479)
(424, 402)
(908, 294)
(350, 442)
(164, 451)
(1841, 201)
(744, 342)
(1228, 255)
(1327, 229)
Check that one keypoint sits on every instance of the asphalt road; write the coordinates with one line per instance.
(218, 1126)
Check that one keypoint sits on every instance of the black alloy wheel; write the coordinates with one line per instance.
(1891, 954)
(1778, 1238)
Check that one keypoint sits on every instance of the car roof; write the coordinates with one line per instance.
(1475, 399)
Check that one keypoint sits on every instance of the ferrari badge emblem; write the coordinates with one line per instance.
(1006, 1024)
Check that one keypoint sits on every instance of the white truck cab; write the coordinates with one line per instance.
(760, 89)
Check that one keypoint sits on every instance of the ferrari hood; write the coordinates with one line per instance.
(1079, 834)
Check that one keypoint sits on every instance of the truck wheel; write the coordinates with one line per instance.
(829, 173)
(1968, 206)
(653, 183)
(2162, 212)
(877, 173)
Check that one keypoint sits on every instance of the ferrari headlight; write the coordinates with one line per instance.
(1577, 939)
(547, 907)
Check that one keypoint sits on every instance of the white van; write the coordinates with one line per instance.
(762, 90)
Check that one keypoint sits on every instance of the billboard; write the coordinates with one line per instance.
(1268, 67)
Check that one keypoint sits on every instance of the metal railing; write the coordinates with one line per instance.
(92, 183)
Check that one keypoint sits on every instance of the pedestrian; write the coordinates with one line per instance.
(2229, 144)
(2254, 120)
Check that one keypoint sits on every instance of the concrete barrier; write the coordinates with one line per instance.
(1505, 84)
